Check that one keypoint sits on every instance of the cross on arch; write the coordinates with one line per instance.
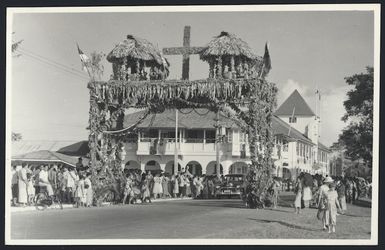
(186, 51)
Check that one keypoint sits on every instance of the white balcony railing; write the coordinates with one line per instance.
(147, 146)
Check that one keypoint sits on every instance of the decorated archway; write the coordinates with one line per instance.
(194, 167)
(211, 168)
(238, 168)
(236, 80)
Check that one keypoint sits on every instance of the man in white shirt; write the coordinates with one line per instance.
(43, 180)
(15, 188)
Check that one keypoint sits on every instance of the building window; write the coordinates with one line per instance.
(293, 119)
(210, 136)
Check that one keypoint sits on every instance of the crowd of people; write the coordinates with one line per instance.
(71, 184)
(146, 186)
(329, 195)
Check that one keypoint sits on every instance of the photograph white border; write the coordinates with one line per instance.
(376, 8)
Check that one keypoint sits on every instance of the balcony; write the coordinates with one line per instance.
(148, 146)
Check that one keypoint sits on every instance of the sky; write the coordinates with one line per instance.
(309, 50)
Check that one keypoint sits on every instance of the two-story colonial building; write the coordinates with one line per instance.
(153, 146)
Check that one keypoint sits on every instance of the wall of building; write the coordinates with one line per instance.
(302, 122)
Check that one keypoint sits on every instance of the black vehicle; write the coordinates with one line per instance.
(232, 186)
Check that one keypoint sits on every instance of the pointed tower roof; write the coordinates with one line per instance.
(297, 101)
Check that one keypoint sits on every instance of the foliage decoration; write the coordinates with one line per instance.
(223, 95)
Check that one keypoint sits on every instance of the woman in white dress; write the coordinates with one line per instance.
(89, 192)
(157, 189)
(307, 196)
(23, 183)
(175, 189)
(80, 194)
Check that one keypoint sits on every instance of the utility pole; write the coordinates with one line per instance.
(176, 143)
(218, 165)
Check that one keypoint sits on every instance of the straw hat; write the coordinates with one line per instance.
(328, 179)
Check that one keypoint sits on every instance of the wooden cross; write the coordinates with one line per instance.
(186, 51)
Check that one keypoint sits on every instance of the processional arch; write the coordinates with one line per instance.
(236, 79)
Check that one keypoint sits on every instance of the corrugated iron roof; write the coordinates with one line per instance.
(47, 156)
(323, 147)
(27, 146)
(187, 118)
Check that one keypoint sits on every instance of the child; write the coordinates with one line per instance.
(331, 207)
(298, 198)
(30, 188)
(80, 192)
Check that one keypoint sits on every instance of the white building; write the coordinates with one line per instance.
(153, 146)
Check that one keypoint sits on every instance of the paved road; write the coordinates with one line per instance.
(176, 219)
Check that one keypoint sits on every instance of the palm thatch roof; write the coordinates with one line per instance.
(227, 44)
(137, 48)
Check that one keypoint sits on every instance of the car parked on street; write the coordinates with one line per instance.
(233, 186)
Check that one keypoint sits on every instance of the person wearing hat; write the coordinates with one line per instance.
(322, 201)
(332, 207)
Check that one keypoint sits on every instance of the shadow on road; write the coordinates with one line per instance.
(218, 203)
(286, 224)
(358, 216)
(363, 203)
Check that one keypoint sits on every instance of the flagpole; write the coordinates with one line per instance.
(292, 117)
(85, 65)
(176, 143)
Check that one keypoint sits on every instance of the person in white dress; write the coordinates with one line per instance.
(30, 188)
(89, 191)
(157, 189)
(80, 193)
(22, 185)
(322, 201)
(43, 180)
(332, 206)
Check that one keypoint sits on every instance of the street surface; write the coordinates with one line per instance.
(186, 219)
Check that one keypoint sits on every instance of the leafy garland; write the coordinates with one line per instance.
(215, 94)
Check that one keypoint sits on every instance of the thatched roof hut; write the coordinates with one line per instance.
(136, 54)
(227, 44)
(229, 57)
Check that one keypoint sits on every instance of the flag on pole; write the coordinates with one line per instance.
(291, 120)
(266, 66)
(84, 59)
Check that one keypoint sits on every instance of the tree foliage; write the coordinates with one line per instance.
(357, 137)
